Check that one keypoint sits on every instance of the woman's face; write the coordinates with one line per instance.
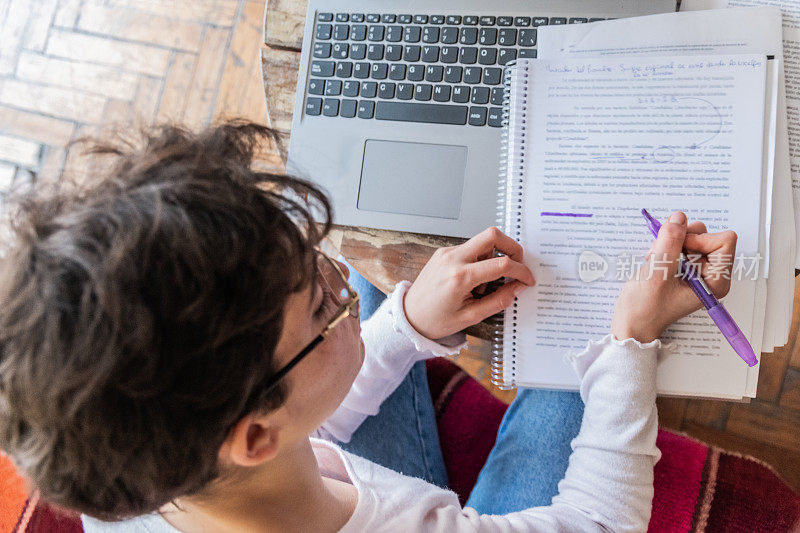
(319, 383)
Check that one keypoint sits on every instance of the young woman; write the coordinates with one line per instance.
(172, 346)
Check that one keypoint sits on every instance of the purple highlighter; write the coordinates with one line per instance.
(715, 309)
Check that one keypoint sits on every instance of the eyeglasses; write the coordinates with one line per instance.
(344, 297)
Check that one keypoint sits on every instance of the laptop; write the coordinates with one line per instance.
(399, 104)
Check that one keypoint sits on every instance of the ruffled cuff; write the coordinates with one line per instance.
(581, 361)
(426, 347)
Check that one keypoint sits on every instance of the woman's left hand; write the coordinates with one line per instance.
(440, 302)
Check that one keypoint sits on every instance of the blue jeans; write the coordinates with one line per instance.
(527, 462)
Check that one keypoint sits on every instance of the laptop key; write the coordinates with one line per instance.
(373, 17)
(350, 88)
(322, 68)
(430, 34)
(522, 21)
(369, 89)
(527, 37)
(449, 54)
(488, 36)
(487, 56)
(411, 34)
(380, 71)
(430, 54)
(323, 31)
(316, 86)
(480, 95)
(375, 52)
(472, 74)
(505, 21)
(375, 33)
(342, 17)
(461, 94)
(358, 32)
(527, 52)
(333, 88)
(428, 113)
(397, 72)
(557, 21)
(441, 93)
(422, 91)
(505, 55)
(497, 96)
(596, 19)
(340, 32)
(434, 73)
(416, 73)
(361, 71)
(453, 74)
(454, 19)
(344, 69)
(449, 35)
(386, 90)
(507, 37)
(437, 19)
(405, 91)
(477, 116)
(468, 36)
(492, 75)
(357, 17)
(358, 51)
(420, 19)
(340, 50)
(404, 19)
(322, 50)
(394, 34)
(470, 20)
(411, 52)
(468, 55)
(313, 106)
(495, 117)
(389, 18)
(578, 20)
(487, 20)
(393, 52)
(366, 109)
(331, 107)
(325, 17)
(540, 21)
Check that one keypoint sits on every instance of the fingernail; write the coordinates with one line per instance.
(677, 218)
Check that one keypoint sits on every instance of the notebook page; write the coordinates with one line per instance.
(743, 30)
(617, 135)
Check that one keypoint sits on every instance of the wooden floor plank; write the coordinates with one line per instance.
(134, 57)
(205, 82)
(86, 77)
(39, 25)
(20, 152)
(790, 396)
(132, 24)
(52, 101)
(176, 87)
(14, 14)
(40, 128)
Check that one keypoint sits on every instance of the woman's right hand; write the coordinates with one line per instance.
(657, 297)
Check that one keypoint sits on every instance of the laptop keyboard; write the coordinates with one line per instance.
(443, 69)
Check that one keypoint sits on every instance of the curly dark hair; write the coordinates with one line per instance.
(139, 315)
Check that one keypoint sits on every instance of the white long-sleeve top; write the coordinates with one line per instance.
(608, 485)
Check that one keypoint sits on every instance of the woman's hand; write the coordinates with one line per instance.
(441, 302)
(656, 297)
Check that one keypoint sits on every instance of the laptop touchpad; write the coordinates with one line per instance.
(412, 178)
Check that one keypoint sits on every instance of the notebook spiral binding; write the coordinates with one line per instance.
(509, 207)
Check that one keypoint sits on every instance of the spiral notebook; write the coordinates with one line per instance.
(615, 136)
